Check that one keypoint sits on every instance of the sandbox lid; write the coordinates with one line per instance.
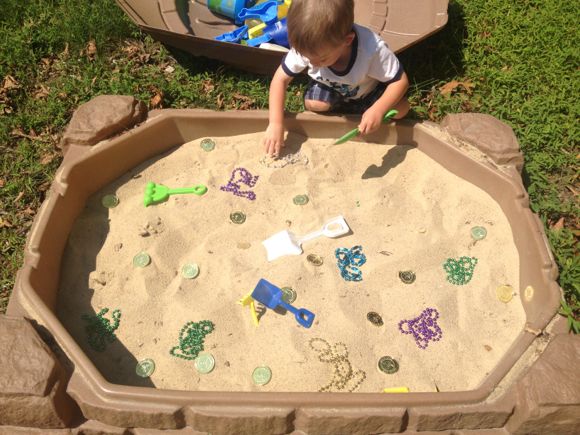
(190, 26)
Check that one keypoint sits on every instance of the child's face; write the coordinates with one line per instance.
(331, 54)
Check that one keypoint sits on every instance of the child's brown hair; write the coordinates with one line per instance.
(315, 24)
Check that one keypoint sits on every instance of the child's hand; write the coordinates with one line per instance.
(274, 139)
(371, 121)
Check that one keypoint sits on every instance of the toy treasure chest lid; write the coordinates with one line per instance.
(191, 26)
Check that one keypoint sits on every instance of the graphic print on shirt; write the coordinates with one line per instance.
(343, 89)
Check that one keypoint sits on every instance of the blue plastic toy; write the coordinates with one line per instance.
(229, 8)
(271, 296)
(266, 12)
(276, 33)
(233, 36)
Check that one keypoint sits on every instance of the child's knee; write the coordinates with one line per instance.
(402, 107)
(316, 105)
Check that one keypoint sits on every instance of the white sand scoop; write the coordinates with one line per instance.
(287, 243)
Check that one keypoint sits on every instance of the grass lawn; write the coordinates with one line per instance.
(518, 61)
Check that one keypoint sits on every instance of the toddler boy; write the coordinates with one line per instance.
(351, 69)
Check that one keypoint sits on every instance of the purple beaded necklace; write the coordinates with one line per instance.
(243, 176)
(423, 327)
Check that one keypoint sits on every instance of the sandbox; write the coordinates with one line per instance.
(411, 195)
(406, 212)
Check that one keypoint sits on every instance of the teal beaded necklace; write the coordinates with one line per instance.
(99, 330)
(191, 339)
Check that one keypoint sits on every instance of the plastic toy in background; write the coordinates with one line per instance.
(257, 25)
(287, 243)
(234, 36)
(272, 297)
(229, 8)
(156, 193)
(265, 22)
(266, 12)
(249, 301)
(276, 33)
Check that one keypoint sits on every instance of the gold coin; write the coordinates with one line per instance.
(315, 259)
(504, 293)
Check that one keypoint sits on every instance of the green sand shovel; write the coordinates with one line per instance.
(156, 193)
(355, 131)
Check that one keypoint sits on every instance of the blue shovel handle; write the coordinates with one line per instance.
(303, 316)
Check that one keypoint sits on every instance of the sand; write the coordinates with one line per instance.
(405, 210)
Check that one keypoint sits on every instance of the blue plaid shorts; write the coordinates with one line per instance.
(320, 92)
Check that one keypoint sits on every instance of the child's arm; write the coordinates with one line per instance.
(392, 98)
(274, 138)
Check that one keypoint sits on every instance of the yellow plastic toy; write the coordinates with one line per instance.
(396, 390)
(248, 300)
(255, 30)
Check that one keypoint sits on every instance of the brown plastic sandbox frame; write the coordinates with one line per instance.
(86, 169)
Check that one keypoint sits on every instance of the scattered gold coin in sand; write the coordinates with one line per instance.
(504, 293)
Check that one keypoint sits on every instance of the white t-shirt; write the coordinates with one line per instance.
(371, 62)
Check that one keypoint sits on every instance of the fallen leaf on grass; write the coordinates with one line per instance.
(32, 135)
(20, 195)
(156, 100)
(558, 225)
(2, 183)
(41, 92)
(245, 102)
(448, 88)
(91, 49)
(207, 86)
(47, 158)
(64, 53)
(9, 83)
(5, 224)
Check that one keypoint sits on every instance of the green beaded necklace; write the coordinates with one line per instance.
(99, 330)
(460, 272)
(191, 339)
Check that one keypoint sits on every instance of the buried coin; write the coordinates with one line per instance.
(190, 270)
(407, 276)
(300, 199)
(204, 363)
(238, 217)
(315, 259)
(145, 368)
(504, 293)
(388, 365)
(207, 144)
(142, 259)
(262, 375)
(375, 318)
(288, 294)
(110, 201)
(478, 233)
